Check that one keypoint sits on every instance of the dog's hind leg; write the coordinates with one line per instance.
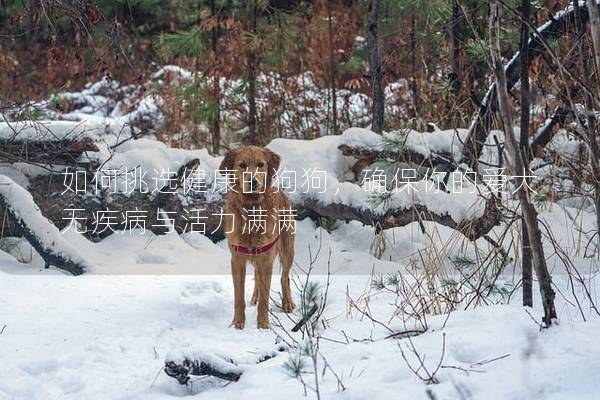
(286, 259)
(254, 300)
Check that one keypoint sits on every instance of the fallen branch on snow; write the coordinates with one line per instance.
(182, 365)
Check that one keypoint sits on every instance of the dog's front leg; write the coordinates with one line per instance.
(238, 271)
(264, 290)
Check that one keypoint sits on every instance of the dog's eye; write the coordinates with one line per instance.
(260, 164)
(243, 165)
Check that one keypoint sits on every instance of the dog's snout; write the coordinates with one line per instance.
(254, 182)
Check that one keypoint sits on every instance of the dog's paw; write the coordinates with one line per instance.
(263, 324)
(288, 306)
(237, 323)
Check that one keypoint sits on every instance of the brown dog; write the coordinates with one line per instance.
(252, 202)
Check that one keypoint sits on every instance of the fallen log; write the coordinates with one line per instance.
(205, 365)
(473, 229)
(184, 364)
(544, 135)
(442, 161)
(46, 152)
(41, 233)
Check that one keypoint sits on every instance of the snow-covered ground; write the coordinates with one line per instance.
(105, 335)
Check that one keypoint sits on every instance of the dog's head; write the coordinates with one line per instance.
(253, 168)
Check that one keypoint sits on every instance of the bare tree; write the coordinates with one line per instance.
(413, 61)
(332, 71)
(592, 123)
(251, 67)
(216, 89)
(518, 169)
(456, 77)
(375, 67)
(525, 147)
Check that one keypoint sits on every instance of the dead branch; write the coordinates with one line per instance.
(208, 364)
(481, 124)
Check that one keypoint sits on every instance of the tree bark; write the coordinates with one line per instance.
(518, 170)
(216, 117)
(413, 53)
(375, 67)
(592, 123)
(525, 149)
(252, 61)
(456, 78)
(332, 71)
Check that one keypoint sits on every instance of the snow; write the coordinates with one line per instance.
(175, 70)
(424, 143)
(107, 335)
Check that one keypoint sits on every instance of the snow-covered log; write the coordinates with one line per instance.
(558, 25)
(197, 362)
(365, 156)
(41, 233)
(545, 133)
(472, 228)
(47, 194)
(202, 364)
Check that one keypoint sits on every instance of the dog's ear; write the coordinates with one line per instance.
(228, 160)
(273, 160)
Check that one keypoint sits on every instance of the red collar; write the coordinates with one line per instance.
(255, 250)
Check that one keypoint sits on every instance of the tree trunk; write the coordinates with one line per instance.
(527, 273)
(216, 95)
(375, 67)
(518, 170)
(413, 52)
(252, 137)
(456, 78)
(332, 72)
(592, 123)
(525, 148)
